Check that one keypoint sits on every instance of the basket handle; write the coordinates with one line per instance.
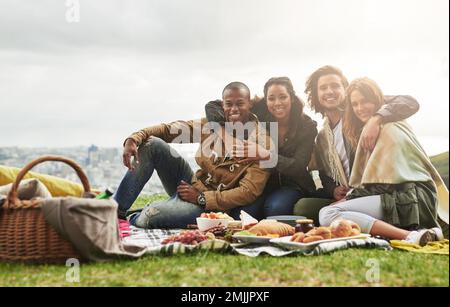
(13, 195)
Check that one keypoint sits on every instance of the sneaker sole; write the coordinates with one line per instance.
(428, 236)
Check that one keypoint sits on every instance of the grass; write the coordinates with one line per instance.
(342, 268)
(441, 163)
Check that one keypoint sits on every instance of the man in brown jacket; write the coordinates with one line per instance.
(224, 181)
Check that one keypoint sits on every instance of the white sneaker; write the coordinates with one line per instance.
(423, 236)
(439, 233)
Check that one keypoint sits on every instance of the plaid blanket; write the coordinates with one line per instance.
(151, 239)
(253, 250)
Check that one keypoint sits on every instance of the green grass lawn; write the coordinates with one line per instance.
(342, 268)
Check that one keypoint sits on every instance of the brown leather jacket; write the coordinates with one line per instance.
(226, 182)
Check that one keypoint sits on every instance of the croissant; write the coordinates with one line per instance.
(324, 232)
(269, 227)
(344, 228)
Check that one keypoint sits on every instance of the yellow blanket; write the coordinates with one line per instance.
(57, 186)
(398, 158)
(438, 247)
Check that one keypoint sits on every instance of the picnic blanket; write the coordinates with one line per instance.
(151, 239)
(438, 247)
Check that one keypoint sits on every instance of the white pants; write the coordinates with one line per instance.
(364, 211)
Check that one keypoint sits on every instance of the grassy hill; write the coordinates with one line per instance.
(441, 163)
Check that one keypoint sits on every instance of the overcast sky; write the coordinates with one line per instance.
(130, 64)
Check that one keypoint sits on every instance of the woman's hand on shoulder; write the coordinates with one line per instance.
(370, 133)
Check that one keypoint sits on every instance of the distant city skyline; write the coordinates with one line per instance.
(104, 169)
(103, 166)
(431, 145)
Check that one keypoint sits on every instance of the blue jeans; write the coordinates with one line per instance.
(280, 201)
(171, 168)
(176, 213)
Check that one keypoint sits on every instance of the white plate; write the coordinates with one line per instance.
(253, 239)
(286, 242)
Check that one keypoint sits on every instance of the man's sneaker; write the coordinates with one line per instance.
(122, 215)
(423, 236)
(131, 212)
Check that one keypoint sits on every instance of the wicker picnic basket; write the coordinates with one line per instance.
(25, 236)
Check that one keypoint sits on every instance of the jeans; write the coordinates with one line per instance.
(153, 155)
(176, 213)
(280, 201)
(171, 168)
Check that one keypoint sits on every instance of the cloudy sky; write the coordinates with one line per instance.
(130, 64)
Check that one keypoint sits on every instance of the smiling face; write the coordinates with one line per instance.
(279, 102)
(236, 105)
(331, 92)
(361, 106)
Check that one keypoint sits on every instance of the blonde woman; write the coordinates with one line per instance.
(397, 193)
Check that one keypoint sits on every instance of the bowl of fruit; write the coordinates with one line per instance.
(210, 220)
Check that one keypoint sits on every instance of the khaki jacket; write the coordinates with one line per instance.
(226, 182)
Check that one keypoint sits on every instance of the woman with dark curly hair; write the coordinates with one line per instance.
(296, 133)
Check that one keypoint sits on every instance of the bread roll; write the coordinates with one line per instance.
(298, 237)
(341, 228)
(324, 232)
(356, 230)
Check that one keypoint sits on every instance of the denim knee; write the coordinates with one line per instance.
(152, 144)
(143, 218)
(153, 148)
(278, 207)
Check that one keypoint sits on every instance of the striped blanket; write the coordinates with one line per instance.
(151, 239)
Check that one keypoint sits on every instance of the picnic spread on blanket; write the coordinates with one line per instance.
(88, 228)
(152, 240)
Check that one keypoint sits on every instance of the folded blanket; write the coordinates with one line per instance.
(91, 225)
(151, 239)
